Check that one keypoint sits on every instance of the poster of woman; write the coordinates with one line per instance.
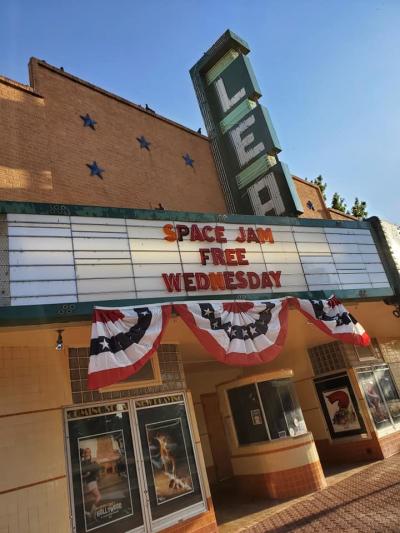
(104, 478)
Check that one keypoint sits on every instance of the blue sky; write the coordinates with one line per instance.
(329, 71)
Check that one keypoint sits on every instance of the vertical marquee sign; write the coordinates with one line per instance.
(243, 139)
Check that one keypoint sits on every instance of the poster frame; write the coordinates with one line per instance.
(193, 510)
(320, 389)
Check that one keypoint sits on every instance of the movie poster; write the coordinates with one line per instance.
(104, 478)
(104, 481)
(168, 454)
(339, 406)
(169, 460)
(341, 410)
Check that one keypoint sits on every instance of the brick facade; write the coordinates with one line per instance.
(45, 149)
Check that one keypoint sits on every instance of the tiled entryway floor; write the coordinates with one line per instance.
(359, 498)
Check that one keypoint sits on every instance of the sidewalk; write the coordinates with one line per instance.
(364, 499)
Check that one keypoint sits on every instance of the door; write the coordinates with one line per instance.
(216, 433)
(132, 465)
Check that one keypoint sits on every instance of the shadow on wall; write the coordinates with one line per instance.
(24, 154)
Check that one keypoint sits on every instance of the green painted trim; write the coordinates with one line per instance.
(255, 170)
(181, 216)
(237, 114)
(82, 311)
(292, 187)
(227, 41)
(271, 129)
(252, 75)
(220, 66)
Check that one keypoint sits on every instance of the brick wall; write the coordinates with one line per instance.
(33, 484)
(309, 192)
(44, 149)
(24, 157)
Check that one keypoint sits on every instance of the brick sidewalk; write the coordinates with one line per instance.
(366, 502)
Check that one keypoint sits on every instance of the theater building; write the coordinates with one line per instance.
(216, 350)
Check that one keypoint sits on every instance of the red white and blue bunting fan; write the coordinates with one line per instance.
(238, 333)
(333, 318)
(123, 340)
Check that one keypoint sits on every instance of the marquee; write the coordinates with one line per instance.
(62, 259)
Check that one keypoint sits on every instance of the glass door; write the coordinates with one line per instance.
(104, 484)
(132, 465)
(173, 485)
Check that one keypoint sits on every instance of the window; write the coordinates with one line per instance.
(147, 376)
(326, 358)
(372, 351)
(266, 410)
(381, 395)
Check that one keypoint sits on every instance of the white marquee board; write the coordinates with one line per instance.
(63, 259)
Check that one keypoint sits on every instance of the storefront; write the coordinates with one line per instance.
(139, 454)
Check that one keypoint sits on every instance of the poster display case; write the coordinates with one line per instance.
(381, 395)
(339, 406)
(265, 410)
(132, 465)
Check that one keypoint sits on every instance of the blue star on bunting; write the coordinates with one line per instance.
(188, 160)
(95, 170)
(88, 121)
(144, 143)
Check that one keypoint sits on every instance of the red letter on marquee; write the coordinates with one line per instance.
(219, 234)
(172, 282)
(204, 255)
(206, 230)
(182, 231)
(276, 276)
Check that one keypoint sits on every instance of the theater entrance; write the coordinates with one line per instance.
(133, 465)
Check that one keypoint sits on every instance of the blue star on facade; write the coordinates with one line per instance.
(88, 122)
(188, 160)
(95, 170)
(144, 143)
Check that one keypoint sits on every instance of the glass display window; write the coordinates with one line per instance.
(381, 395)
(265, 410)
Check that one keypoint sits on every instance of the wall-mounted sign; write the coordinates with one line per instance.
(243, 139)
(62, 259)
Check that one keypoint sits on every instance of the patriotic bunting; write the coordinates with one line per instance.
(236, 333)
(332, 318)
(123, 340)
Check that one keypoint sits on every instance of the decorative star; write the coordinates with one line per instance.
(143, 313)
(104, 344)
(88, 121)
(253, 330)
(144, 143)
(95, 170)
(207, 312)
(188, 160)
(233, 333)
